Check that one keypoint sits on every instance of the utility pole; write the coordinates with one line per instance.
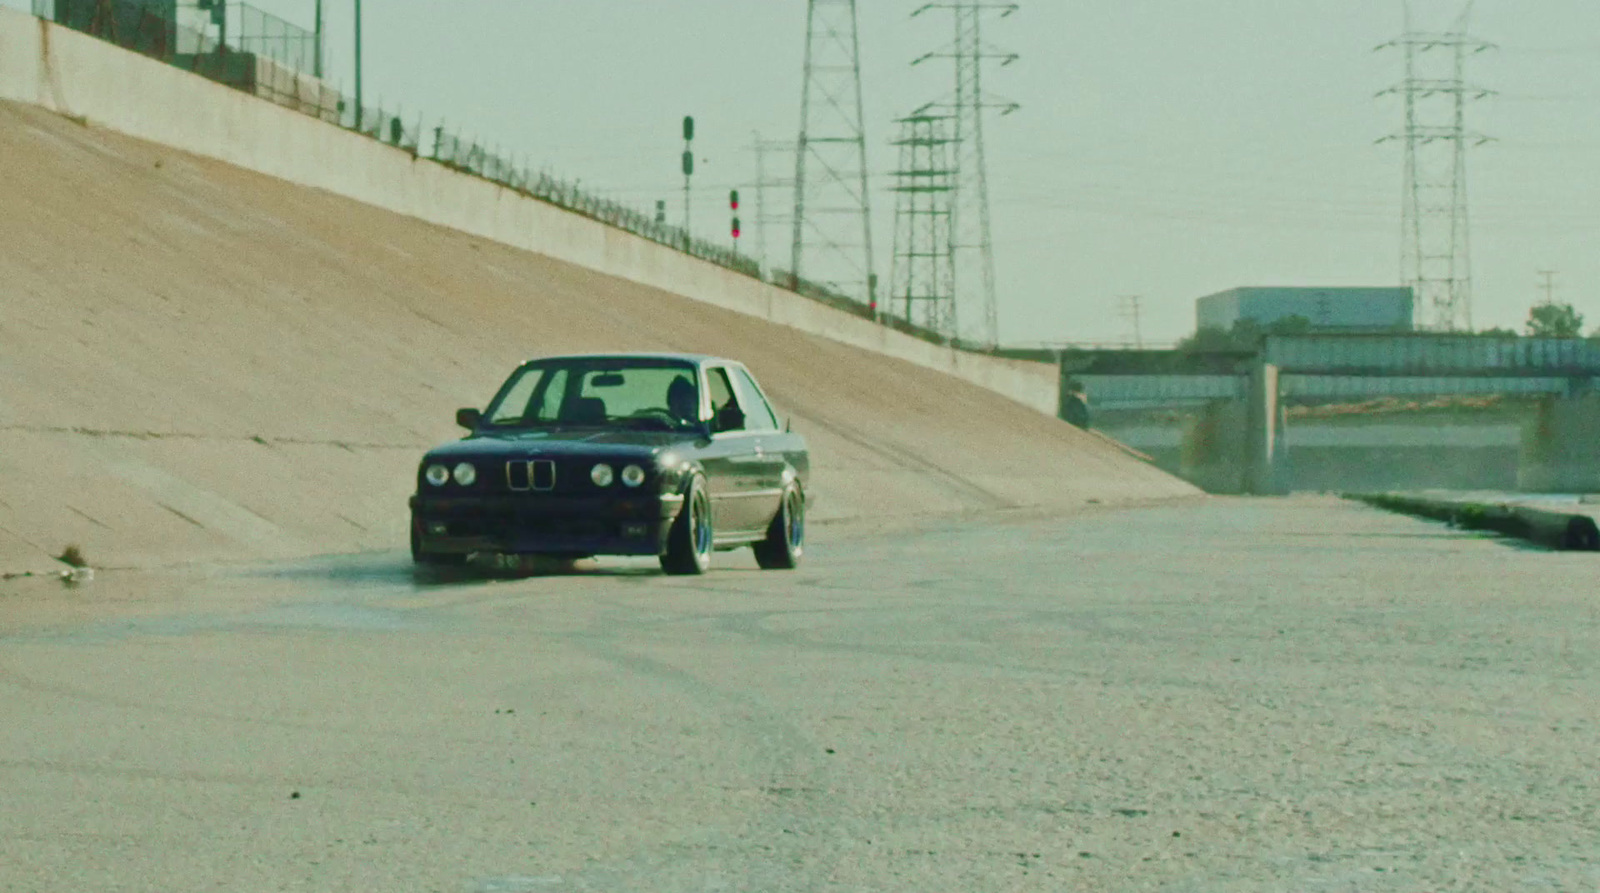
(762, 148)
(971, 233)
(1549, 285)
(360, 109)
(832, 208)
(1435, 256)
(1130, 311)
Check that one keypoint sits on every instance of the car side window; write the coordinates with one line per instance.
(758, 413)
(722, 399)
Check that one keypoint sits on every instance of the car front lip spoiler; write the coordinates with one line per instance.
(534, 524)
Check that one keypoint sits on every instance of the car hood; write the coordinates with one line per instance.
(557, 443)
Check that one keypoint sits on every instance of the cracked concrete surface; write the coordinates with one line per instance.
(1217, 695)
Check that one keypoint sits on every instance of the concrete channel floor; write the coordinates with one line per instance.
(1212, 695)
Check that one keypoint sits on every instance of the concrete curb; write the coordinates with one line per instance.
(1555, 530)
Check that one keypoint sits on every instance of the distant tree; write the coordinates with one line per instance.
(1246, 334)
(1289, 325)
(1499, 333)
(1554, 321)
(1208, 339)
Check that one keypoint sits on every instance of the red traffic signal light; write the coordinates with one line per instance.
(733, 199)
(736, 229)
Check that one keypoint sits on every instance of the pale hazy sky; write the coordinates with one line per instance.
(1165, 148)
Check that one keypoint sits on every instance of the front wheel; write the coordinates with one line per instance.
(689, 540)
(786, 535)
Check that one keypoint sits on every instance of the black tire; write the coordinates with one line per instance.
(434, 559)
(689, 540)
(786, 535)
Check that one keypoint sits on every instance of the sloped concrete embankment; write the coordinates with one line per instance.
(79, 76)
(201, 362)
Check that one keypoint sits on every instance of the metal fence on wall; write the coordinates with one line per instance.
(177, 34)
(289, 45)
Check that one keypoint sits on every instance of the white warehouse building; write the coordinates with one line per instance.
(1327, 309)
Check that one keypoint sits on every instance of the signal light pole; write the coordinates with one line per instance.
(688, 173)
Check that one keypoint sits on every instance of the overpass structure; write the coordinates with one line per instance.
(1237, 441)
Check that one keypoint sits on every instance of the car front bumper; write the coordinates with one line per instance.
(630, 524)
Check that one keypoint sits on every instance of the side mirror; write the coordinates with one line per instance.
(469, 418)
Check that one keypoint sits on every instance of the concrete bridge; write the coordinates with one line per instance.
(1237, 437)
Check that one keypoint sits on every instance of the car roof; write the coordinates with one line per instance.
(695, 358)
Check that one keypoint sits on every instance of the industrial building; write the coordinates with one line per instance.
(1327, 309)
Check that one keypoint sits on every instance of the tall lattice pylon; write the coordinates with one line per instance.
(1436, 244)
(972, 238)
(832, 210)
(922, 282)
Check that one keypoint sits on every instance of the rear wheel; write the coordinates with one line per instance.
(689, 540)
(786, 535)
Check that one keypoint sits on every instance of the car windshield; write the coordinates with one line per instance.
(599, 393)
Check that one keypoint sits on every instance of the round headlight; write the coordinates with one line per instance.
(633, 475)
(602, 475)
(466, 474)
(437, 475)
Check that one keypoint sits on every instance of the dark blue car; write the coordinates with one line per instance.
(672, 455)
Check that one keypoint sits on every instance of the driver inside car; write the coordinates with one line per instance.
(683, 400)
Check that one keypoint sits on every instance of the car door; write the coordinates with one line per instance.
(773, 445)
(732, 462)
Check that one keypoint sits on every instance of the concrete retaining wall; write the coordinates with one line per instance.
(76, 75)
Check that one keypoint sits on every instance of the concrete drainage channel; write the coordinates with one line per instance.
(1544, 525)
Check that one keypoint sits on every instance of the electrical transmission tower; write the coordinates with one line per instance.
(972, 241)
(832, 211)
(1436, 256)
(922, 283)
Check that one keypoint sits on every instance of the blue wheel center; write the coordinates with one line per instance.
(797, 522)
(702, 529)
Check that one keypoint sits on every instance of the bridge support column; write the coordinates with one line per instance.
(1561, 446)
(1215, 447)
(1265, 475)
(1265, 438)
(1237, 446)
